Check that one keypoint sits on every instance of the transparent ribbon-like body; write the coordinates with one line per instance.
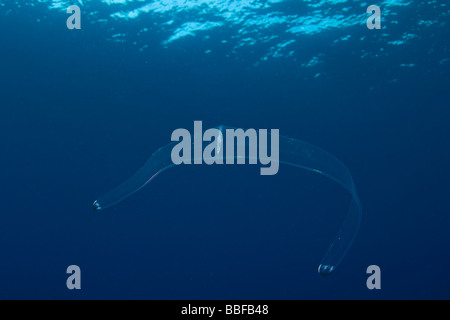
(291, 152)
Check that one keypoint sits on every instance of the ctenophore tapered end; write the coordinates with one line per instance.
(96, 206)
(325, 269)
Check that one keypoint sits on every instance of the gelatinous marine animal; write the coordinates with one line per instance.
(292, 152)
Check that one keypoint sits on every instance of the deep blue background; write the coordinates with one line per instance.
(79, 115)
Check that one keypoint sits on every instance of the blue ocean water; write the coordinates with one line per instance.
(82, 110)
